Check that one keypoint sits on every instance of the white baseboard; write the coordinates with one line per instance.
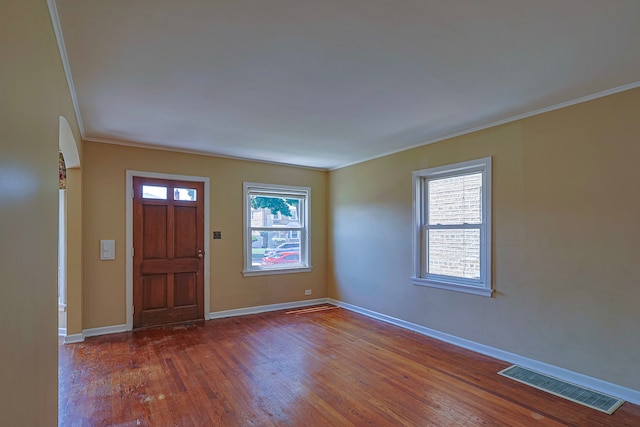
(93, 332)
(62, 332)
(625, 393)
(73, 338)
(265, 308)
(70, 339)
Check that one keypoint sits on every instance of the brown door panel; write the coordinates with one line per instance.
(185, 289)
(165, 317)
(154, 233)
(170, 266)
(186, 232)
(154, 291)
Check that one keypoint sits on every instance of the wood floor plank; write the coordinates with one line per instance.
(307, 368)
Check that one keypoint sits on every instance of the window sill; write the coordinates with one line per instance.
(452, 287)
(248, 273)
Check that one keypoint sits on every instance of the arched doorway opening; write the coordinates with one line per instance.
(68, 157)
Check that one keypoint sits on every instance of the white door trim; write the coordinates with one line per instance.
(62, 250)
(129, 236)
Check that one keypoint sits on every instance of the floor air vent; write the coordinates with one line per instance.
(584, 396)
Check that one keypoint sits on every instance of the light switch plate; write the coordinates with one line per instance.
(107, 249)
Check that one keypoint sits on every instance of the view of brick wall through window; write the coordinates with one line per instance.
(455, 201)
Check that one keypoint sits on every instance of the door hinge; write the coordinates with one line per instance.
(133, 309)
(133, 252)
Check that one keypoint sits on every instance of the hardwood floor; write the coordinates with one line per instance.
(322, 368)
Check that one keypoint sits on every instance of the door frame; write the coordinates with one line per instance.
(129, 237)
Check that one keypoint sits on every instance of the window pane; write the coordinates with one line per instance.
(154, 192)
(276, 234)
(186, 194)
(455, 200)
(454, 253)
(267, 211)
(275, 248)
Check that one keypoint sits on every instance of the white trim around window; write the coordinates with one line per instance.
(276, 229)
(452, 244)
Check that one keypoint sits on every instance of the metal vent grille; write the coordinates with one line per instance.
(584, 396)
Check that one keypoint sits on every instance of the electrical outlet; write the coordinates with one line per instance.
(307, 292)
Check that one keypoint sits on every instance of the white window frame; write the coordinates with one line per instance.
(482, 286)
(251, 188)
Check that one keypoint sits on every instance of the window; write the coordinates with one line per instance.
(161, 193)
(154, 192)
(185, 194)
(452, 241)
(276, 237)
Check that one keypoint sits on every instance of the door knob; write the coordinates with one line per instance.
(199, 253)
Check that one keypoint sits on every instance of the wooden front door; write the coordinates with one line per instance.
(168, 251)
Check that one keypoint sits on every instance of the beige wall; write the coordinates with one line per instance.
(104, 174)
(566, 239)
(34, 95)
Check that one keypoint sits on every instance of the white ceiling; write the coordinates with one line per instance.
(326, 83)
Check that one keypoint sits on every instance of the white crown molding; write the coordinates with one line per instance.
(266, 308)
(196, 152)
(596, 384)
(500, 122)
(462, 132)
(53, 12)
(57, 29)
